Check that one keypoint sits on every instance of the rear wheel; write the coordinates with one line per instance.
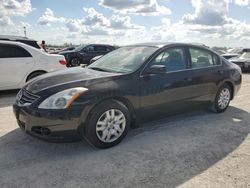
(222, 99)
(74, 62)
(108, 124)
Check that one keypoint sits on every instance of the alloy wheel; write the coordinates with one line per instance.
(224, 98)
(110, 125)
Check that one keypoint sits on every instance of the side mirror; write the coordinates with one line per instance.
(156, 69)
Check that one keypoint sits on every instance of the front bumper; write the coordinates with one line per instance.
(51, 125)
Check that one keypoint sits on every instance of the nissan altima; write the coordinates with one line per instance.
(123, 89)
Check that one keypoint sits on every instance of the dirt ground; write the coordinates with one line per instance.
(198, 149)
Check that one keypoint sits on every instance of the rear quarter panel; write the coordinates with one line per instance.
(48, 62)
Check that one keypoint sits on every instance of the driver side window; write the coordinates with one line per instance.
(173, 59)
(89, 49)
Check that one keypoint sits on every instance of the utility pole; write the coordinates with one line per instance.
(25, 32)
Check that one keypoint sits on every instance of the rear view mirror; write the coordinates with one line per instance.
(156, 69)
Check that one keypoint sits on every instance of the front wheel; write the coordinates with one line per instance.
(108, 124)
(222, 99)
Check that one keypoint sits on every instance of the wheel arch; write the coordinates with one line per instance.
(230, 84)
(33, 72)
(121, 100)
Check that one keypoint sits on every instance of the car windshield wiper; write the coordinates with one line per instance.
(99, 69)
(105, 70)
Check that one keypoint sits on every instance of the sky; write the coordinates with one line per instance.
(211, 22)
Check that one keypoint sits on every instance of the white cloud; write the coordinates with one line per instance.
(75, 25)
(94, 17)
(212, 12)
(123, 22)
(115, 22)
(95, 23)
(142, 7)
(11, 8)
(49, 17)
(5, 20)
(25, 24)
(16, 7)
(202, 26)
(242, 2)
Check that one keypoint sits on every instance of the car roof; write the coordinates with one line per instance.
(15, 38)
(163, 44)
(14, 43)
(9, 42)
(89, 44)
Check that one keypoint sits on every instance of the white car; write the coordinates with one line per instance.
(19, 63)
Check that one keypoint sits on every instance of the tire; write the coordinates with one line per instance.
(103, 132)
(33, 75)
(222, 99)
(74, 62)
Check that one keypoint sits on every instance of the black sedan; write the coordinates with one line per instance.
(123, 89)
(243, 61)
(83, 54)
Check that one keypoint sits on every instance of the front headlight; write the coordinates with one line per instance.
(62, 99)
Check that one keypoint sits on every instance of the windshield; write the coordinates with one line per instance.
(124, 60)
(245, 55)
(79, 48)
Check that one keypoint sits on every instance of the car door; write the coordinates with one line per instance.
(87, 54)
(207, 73)
(101, 50)
(15, 63)
(169, 92)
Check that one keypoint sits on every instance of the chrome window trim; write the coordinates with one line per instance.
(187, 69)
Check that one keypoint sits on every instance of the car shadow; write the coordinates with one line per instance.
(7, 98)
(165, 153)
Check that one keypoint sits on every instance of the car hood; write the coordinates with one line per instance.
(74, 77)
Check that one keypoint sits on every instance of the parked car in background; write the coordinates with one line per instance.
(233, 53)
(24, 40)
(220, 52)
(95, 59)
(124, 88)
(19, 63)
(63, 50)
(243, 60)
(84, 53)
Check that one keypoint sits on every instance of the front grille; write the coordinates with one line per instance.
(26, 98)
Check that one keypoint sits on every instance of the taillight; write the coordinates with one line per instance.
(63, 62)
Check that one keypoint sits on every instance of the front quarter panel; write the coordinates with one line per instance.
(122, 88)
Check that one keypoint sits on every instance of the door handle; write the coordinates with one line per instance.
(188, 79)
(220, 72)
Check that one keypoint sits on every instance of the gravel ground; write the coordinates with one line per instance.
(198, 149)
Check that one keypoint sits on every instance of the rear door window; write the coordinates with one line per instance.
(89, 49)
(11, 51)
(101, 49)
(201, 58)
